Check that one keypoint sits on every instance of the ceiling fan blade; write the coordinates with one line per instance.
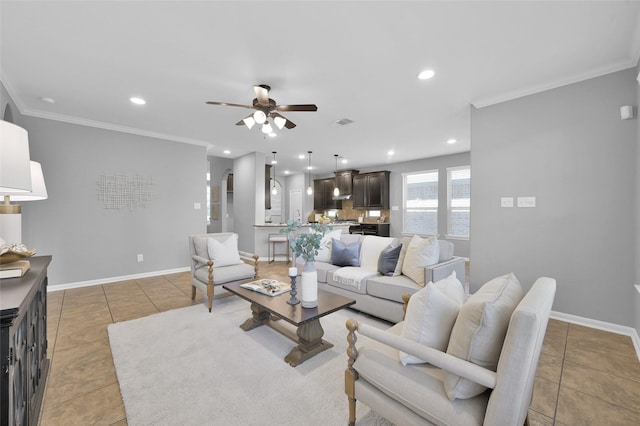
(287, 123)
(262, 93)
(228, 104)
(304, 107)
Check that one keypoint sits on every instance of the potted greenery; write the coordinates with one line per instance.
(305, 245)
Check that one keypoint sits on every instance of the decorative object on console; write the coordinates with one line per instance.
(12, 252)
(306, 245)
(15, 178)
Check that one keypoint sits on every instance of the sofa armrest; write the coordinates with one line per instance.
(442, 270)
(435, 357)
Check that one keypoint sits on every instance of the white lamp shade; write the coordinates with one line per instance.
(39, 190)
(266, 128)
(249, 122)
(259, 116)
(15, 170)
(280, 122)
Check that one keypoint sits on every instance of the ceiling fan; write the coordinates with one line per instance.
(266, 107)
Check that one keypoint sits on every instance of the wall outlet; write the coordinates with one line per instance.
(140, 258)
(506, 202)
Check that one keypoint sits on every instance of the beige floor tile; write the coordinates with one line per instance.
(612, 389)
(537, 419)
(101, 407)
(71, 380)
(136, 299)
(173, 303)
(578, 409)
(605, 361)
(545, 396)
(70, 338)
(129, 312)
(85, 353)
(591, 339)
(84, 310)
(122, 290)
(549, 367)
(555, 341)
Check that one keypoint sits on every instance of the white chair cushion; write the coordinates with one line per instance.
(421, 252)
(479, 331)
(224, 253)
(324, 252)
(430, 316)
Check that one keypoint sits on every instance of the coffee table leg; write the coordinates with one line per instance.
(259, 317)
(310, 343)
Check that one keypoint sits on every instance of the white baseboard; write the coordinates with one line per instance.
(115, 279)
(601, 325)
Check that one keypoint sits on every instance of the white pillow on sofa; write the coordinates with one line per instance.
(479, 331)
(224, 253)
(420, 253)
(324, 252)
(430, 315)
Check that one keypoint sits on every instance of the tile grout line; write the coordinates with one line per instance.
(564, 357)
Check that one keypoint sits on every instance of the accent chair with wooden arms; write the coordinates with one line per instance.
(417, 394)
(215, 260)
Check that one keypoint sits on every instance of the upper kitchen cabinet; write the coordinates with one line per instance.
(323, 195)
(371, 190)
(344, 180)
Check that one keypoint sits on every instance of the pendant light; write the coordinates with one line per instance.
(309, 188)
(274, 190)
(336, 190)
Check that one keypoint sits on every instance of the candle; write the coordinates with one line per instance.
(293, 272)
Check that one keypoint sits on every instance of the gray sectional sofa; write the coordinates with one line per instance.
(374, 293)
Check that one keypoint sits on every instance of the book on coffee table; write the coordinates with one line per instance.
(268, 287)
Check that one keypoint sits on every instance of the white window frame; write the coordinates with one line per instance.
(405, 177)
(451, 208)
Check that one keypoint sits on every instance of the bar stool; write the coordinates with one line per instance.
(273, 240)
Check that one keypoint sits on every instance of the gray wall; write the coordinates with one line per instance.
(569, 148)
(88, 242)
(248, 192)
(218, 167)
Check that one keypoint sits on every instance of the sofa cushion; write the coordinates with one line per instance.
(352, 278)
(418, 386)
(405, 244)
(322, 268)
(345, 254)
(446, 250)
(371, 247)
(324, 252)
(479, 331)
(391, 288)
(388, 259)
(224, 253)
(420, 253)
(430, 315)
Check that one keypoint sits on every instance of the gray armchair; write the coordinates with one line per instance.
(205, 275)
(415, 394)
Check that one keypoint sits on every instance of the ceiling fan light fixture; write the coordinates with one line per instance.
(426, 74)
(249, 122)
(266, 128)
(260, 117)
(280, 122)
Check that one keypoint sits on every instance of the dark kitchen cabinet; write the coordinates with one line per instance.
(323, 195)
(371, 190)
(344, 179)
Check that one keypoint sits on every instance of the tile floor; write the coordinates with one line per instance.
(585, 376)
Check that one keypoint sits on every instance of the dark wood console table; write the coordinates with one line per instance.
(24, 365)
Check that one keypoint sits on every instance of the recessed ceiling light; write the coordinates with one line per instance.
(286, 172)
(226, 151)
(451, 141)
(302, 156)
(272, 135)
(426, 74)
(345, 161)
(390, 152)
(47, 100)
(137, 101)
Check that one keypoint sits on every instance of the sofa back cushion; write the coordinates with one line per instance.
(479, 331)
(446, 250)
(372, 246)
(324, 252)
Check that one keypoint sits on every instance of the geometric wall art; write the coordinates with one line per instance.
(124, 190)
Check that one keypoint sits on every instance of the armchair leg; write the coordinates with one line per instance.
(350, 374)
(210, 296)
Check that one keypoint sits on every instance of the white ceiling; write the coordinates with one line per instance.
(356, 60)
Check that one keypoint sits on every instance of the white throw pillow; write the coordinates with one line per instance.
(430, 316)
(403, 251)
(224, 253)
(420, 253)
(324, 252)
(479, 331)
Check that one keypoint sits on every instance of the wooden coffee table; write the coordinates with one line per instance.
(308, 333)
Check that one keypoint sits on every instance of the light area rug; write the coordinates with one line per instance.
(191, 367)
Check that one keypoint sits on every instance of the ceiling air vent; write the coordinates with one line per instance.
(344, 121)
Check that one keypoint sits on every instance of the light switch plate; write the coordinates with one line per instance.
(506, 202)
(196, 206)
(526, 201)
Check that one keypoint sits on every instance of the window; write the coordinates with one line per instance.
(420, 202)
(458, 201)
